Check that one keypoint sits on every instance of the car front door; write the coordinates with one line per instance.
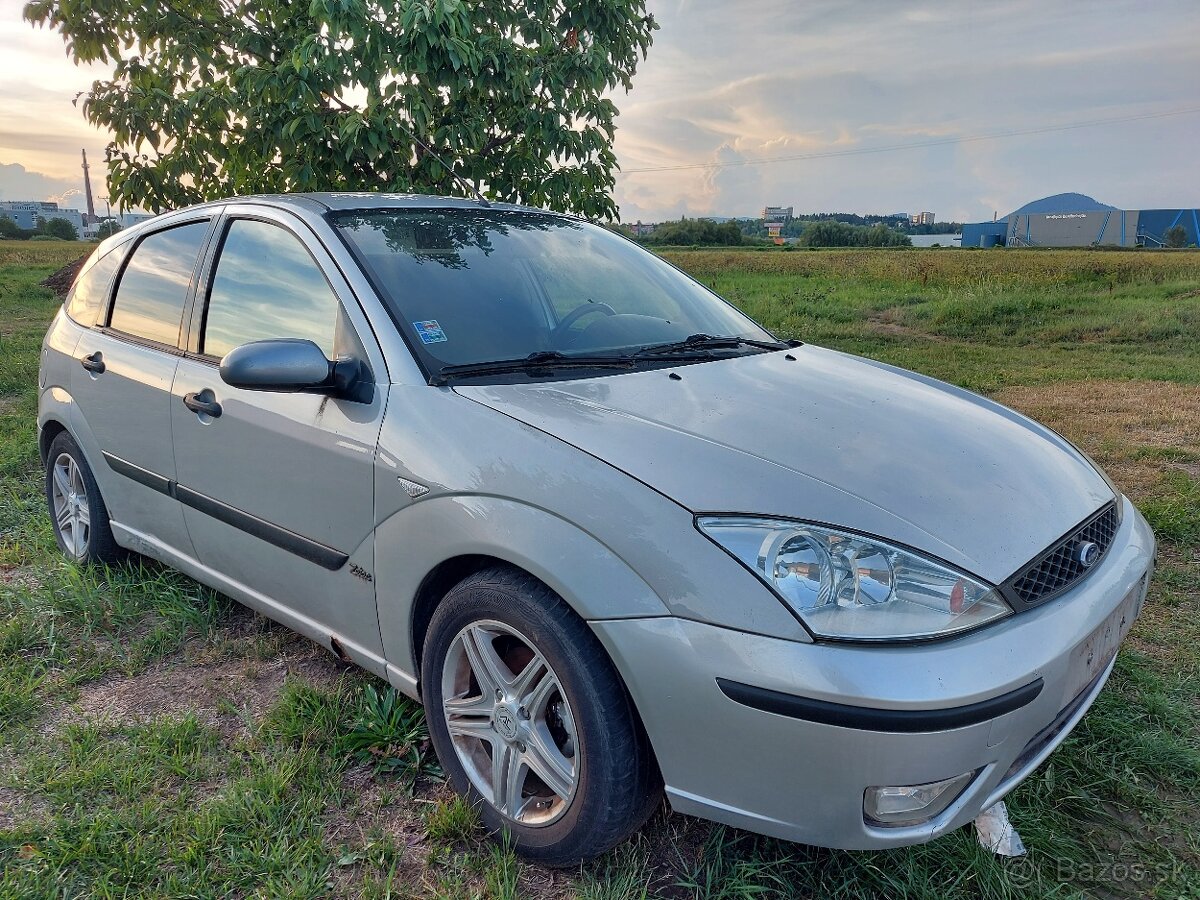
(122, 386)
(277, 488)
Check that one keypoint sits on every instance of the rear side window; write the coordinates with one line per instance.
(154, 286)
(266, 285)
(91, 287)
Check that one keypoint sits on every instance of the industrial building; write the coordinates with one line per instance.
(26, 213)
(1074, 220)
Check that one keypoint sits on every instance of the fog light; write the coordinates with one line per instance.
(912, 804)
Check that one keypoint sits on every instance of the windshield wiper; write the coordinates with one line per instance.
(702, 342)
(542, 360)
(690, 349)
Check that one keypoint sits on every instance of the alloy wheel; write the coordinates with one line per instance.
(72, 518)
(510, 723)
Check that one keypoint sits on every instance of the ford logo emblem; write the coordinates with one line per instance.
(1087, 553)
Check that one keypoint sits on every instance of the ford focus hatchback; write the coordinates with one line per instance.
(614, 535)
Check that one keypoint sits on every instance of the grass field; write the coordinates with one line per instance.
(158, 740)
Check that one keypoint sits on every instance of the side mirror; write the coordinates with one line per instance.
(285, 365)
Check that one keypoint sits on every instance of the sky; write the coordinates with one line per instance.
(744, 83)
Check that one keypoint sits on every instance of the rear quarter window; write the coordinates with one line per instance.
(90, 291)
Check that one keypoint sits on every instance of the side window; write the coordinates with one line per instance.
(266, 285)
(91, 287)
(154, 286)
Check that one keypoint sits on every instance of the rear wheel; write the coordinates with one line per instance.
(77, 511)
(532, 723)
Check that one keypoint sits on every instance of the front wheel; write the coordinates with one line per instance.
(531, 722)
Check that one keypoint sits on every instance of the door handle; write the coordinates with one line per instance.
(93, 363)
(197, 404)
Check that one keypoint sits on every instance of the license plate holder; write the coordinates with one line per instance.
(1090, 657)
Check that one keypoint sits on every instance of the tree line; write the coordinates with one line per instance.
(795, 227)
(54, 229)
(818, 233)
(696, 231)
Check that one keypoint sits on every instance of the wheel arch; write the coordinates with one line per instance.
(425, 549)
(57, 413)
(433, 588)
(51, 428)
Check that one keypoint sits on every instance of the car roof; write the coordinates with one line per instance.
(337, 200)
(320, 202)
(333, 201)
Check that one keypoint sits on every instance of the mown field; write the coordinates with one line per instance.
(158, 740)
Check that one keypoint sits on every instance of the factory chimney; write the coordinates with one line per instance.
(87, 189)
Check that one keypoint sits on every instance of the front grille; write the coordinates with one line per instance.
(1061, 566)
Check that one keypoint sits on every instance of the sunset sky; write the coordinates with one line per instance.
(744, 83)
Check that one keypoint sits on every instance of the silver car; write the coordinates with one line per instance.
(613, 534)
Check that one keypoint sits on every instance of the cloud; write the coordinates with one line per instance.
(18, 183)
(751, 81)
(785, 79)
(728, 188)
(40, 127)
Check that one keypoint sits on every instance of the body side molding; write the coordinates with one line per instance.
(284, 538)
(869, 719)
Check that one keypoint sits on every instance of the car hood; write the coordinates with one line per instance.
(826, 437)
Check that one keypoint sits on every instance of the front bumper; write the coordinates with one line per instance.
(803, 780)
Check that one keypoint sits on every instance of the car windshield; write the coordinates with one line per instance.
(474, 286)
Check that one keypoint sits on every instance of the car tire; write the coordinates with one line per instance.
(77, 511)
(564, 715)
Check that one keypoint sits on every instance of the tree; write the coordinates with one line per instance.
(686, 232)
(10, 230)
(1175, 237)
(107, 228)
(840, 234)
(210, 98)
(60, 228)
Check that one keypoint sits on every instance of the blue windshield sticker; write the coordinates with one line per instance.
(430, 332)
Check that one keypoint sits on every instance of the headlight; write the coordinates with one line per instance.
(856, 588)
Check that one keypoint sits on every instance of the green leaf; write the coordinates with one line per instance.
(247, 98)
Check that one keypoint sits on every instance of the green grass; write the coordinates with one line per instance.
(158, 740)
(983, 320)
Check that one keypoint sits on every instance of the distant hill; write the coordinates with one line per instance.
(1070, 203)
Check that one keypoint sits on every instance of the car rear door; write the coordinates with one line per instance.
(278, 489)
(122, 386)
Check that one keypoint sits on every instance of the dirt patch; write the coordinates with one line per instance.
(18, 809)
(60, 282)
(1136, 430)
(889, 322)
(20, 577)
(373, 806)
(378, 805)
(230, 695)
